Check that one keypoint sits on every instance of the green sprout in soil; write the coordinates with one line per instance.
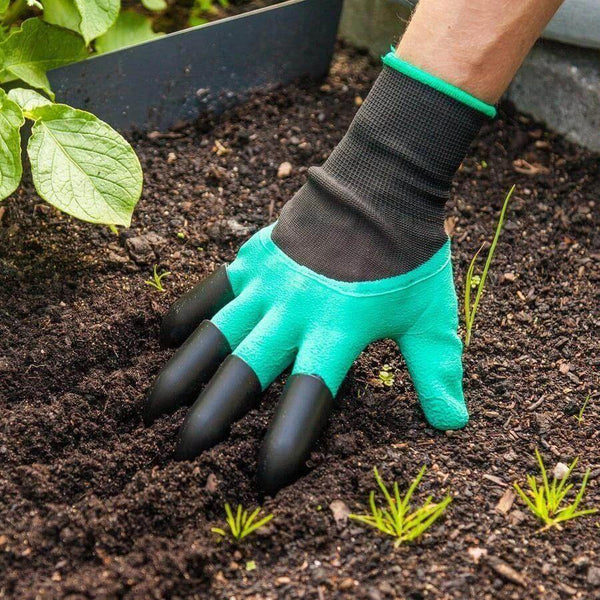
(242, 524)
(478, 281)
(548, 500)
(399, 519)
(156, 281)
(386, 376)
(579, 415)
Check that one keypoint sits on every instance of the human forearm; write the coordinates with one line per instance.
(475, 45)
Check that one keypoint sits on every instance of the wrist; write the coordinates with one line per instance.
(393, 61)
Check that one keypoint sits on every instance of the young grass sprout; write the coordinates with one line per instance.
(242, 524)
(579, 415)
(478, 281)
(548, 500)
(156, 281)
(398, 519)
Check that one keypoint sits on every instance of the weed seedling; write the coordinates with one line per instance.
(478, 282)
(579, 415)
(386, 376)
(398, 519)
(242, 524)
(156, 281)
(547, 501)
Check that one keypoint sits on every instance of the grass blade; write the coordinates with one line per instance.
(490, 255)
(396, 520)
(241, 524)
(467, 302)
(548, 499)
(257, 525)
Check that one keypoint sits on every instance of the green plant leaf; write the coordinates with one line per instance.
(83, 166)
(4, 5)
(155, 5)
(90, 18)
(63, 13)
(37, 47)
(97, 17)
(27, 99)
(11, 169)
(129, 29)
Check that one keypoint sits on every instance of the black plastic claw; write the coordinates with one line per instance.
(299, 420)
(230, 394)
(199, 303)
(189, 368)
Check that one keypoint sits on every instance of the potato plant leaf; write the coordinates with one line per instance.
(37, 47)
(90, 18)
(3, 6)
(129, 29)
(63, 13)
(155, 5)
(97, 16)
(82, 166)
(27, 99)
(11, 169)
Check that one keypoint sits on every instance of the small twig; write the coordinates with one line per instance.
(536, 403)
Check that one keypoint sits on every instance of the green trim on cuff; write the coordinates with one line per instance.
(391, 60)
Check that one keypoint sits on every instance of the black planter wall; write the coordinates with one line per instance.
(176, 77)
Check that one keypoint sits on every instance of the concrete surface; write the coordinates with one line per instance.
(558, 84)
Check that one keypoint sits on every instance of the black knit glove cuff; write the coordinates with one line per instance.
(375, 208)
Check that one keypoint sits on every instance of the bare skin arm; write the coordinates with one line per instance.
(476, 45)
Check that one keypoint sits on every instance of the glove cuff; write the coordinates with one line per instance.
(396, 63)
(375, 209)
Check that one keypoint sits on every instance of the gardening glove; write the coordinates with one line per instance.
(359, 254)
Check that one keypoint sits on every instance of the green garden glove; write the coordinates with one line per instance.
(359, 254)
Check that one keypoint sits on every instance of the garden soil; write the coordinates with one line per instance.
(92, 504)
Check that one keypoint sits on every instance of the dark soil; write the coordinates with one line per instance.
(92, 504)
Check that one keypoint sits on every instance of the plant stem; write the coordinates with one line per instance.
(15, 10)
